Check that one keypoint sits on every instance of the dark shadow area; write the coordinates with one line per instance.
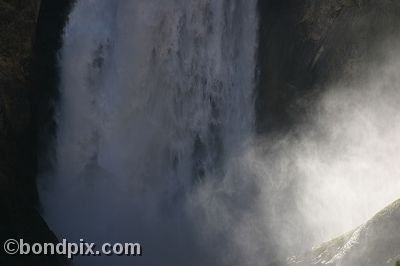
(53, 16)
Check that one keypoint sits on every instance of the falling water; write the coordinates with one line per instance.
(156, 106)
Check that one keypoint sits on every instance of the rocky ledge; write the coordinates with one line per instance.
(377, 242)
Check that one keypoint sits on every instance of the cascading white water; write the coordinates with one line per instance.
(155, 141)
(156, 105)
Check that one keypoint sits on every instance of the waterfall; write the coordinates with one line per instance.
(155, 111)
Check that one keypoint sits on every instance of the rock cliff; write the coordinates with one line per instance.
(18, 152)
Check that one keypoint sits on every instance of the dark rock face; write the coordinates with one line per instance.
(16, 127)
(52, 18)
(18, 197)
(305, 45)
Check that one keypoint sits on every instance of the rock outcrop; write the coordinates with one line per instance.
(374, 243)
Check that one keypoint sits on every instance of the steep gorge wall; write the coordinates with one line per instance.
(19, 217)
(18, 19)
(305, 45)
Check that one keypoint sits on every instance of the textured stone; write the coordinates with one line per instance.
(374, 243)
(18, 197)
(306, 44)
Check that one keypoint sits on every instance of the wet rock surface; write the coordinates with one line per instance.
(376, 242)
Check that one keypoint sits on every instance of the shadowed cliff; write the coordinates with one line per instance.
(305, 45)
(18, 139)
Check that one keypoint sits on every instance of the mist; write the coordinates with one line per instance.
(339, 166)
(156, 142)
